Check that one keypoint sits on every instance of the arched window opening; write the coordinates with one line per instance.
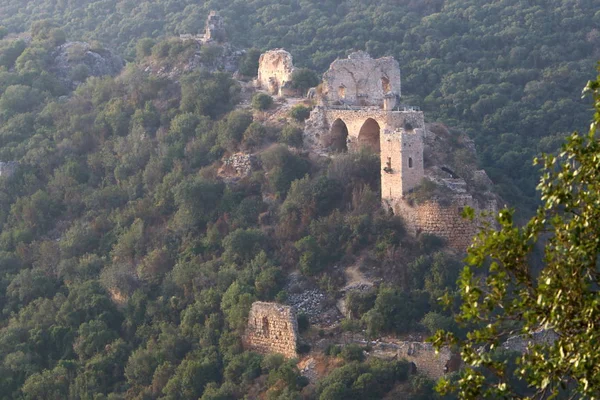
(342, 92)
(338, 137)
(368, 137)
(410, 162)
(385, 85)
(265, 327)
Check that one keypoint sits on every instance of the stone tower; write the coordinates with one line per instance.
(272, 328)
(402, 162)
(215, 28)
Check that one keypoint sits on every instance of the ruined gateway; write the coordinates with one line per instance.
(272, 328)
(359, 106)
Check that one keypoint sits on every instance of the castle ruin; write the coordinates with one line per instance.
(214, 30)
(272, 328)
(275, 70)
(360, 107)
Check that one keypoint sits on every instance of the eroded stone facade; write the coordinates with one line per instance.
(272, 328)
(360, 80)
(275, 69)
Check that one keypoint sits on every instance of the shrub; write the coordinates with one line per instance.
(300, 112)
(352, 352)
(262, 101)
(292, 136)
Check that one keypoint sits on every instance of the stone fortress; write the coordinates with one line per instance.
(359, 106)
(214, 30)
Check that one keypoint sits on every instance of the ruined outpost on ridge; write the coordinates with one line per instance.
(359, 105)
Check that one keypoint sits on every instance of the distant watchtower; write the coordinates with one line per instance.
(215, 28)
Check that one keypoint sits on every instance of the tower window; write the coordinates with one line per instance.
(342, 92)
(385, 84)
(410, 162)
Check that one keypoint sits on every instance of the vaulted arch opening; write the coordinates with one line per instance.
(369, 135)
(265, 327)
(338, 137)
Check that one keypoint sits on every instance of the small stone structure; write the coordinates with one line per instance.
(428, 362)
(272, 328)
(7, 169)
(241, 163)
(275, 69)
(522, 343)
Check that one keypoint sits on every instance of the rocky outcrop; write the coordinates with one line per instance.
(211, 57)
(74, 62)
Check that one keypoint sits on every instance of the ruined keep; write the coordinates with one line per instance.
(359, 106)
(361, 80)
(275, 69)
(272, 328)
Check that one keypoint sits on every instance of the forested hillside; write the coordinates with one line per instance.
(510, 71)
(129, 259)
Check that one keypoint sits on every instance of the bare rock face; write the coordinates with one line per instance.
(275, 69)
(361, 80)
(73, 62)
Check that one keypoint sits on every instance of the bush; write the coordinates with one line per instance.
(249, 63)
(292, 136)
(304, 79)
(300, 112)
(262, 101)
(352, 352)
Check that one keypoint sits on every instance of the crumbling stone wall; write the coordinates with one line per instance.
(428, 363)
(272, 328)
(275, 69)
(361, 80)
(443, 218)
(215, 28)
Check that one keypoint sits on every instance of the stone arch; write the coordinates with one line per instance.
(338, 137)
(368, 135)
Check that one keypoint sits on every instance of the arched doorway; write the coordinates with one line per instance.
(369, 135)
(338, 137)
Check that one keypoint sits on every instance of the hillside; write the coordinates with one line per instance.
(509, 72)
(144, 211)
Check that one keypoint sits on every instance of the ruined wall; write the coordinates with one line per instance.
(443, 218)
(361, 80)
(272, 328)
(275, 69)
(215, 28)
(428, 363)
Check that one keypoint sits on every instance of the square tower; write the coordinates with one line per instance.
(402, 162)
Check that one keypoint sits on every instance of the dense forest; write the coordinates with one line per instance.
(510, 72)
(128, 265)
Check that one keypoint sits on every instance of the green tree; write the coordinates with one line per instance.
(514, 297)
(304, 79)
